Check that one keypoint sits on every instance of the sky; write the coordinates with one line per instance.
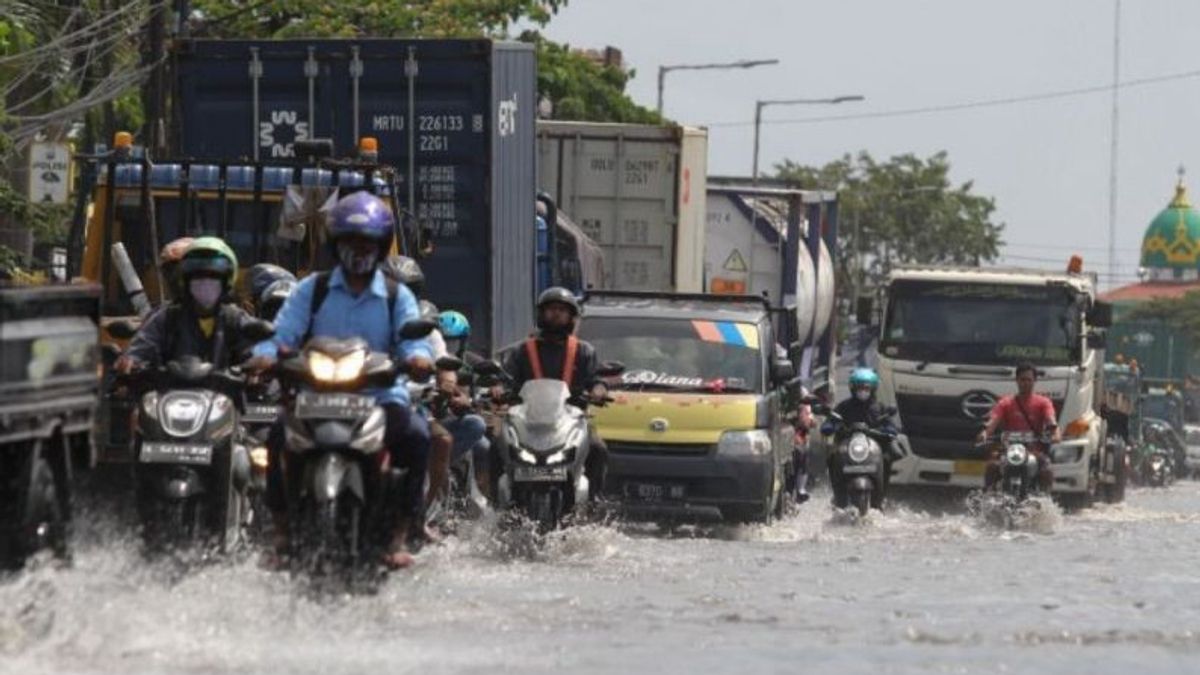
(1045, 162)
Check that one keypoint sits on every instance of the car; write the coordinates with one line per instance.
(698, 426)
(1191, 439)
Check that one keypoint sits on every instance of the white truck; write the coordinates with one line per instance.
(949, 342)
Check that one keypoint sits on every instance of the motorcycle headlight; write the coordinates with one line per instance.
(259, 457)
(1016, 454)
(858, 449)
(182, 413)
(325, 368)
(557, 458)
(748, 443)
(1156, 463)
(526, 456)
(150, 405)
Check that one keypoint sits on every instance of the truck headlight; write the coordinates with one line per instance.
(1065, 454)
(746, 443)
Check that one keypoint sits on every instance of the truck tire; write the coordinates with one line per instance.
(1114, 492)
(43, 524)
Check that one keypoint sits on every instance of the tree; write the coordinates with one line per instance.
(578, 88)
(904, 210)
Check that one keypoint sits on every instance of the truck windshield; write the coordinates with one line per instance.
(977, 323)
(679, 354)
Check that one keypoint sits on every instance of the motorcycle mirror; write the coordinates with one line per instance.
(122, 329)
(488, 367)
(820, 408)
(259, 330)
(417, 329)
(449, 363)
(610, 369)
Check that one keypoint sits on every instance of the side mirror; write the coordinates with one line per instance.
(417, 329)
(820, 408)
(489, 368)
(1100, 315)
(259, 330)
(1096, 340)
(610, 369)
(449, 363)
(864, 308)
(122, 329)
(782, 371)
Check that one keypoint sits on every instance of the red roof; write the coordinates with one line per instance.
(1150, 290)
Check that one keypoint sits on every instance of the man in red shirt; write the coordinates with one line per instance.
(1026, 411)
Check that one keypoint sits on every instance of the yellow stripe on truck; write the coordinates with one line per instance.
(690, 418)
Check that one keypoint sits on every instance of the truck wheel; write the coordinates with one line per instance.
(43, 525)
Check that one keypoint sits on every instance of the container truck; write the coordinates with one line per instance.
(638, 192)
(949, 343)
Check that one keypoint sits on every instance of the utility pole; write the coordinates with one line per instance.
(663, 70)
(154, 96)
(1112, 157)
(759, 105)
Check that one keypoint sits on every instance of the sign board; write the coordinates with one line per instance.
(49, 172)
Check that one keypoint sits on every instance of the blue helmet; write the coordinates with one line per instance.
(454, 325)
(864, 377)
(362, 214)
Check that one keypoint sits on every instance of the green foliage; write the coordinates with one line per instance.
(904, 210)
(581, 89)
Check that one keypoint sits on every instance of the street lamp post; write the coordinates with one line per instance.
(758, 108)
(663, 70)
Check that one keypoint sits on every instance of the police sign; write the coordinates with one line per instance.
(49, 172)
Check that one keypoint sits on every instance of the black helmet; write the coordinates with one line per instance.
(262, 276)
(405, 270)
(273, 297)
(560, 295)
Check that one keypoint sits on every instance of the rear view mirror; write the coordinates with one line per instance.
(1100, 315)
(486, 367)
(417, 329)
(864, 307)
(122, 329)
(610, 369)
(449, 363)
(258, 330)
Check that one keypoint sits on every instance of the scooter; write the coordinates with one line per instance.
(341, 488)
(1155, 466)
(543, 446)
(860, 452)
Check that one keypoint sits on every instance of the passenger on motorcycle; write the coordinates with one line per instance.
(467, 428)
(1024, 412)
(861, 407)
(555, 353)
(203, 322)
(353, 300)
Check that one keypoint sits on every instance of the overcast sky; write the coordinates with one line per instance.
(1045, 162)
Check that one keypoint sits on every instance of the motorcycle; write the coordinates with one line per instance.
(543, 447)
(1155, 466)
(861, 454)
(341, 488)
(193, 470)
(1018, 466)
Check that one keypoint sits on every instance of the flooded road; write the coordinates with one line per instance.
(921, 588)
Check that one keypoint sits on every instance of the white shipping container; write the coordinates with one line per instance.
(638, 191)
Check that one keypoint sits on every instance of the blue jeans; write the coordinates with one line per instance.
(470, 435)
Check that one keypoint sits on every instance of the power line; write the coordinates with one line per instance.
(983, 103)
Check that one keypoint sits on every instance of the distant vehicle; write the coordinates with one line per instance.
(1191, 439)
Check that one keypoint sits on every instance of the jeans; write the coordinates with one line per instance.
(470, 435)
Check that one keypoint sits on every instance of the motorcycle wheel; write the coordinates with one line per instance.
(338, 539)
(861, 499)
(544, 509)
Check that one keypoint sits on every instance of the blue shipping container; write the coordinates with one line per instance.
(473, 132)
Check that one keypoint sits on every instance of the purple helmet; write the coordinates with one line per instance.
(365, 215)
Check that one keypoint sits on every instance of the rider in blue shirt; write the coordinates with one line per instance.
(353, 301)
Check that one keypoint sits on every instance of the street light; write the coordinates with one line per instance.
(759, 105)
(663, 70)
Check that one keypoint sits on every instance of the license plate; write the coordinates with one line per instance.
(859, 468)
(970, 467)
(176, 453)
(539, 474)
(310, 405)
(259, 412)
(654, 491)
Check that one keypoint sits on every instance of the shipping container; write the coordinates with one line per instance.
(638, 192)
(1162, 351)
(471, 129)
(775, 240)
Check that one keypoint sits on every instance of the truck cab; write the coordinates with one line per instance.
(950, 339)
(699, 426)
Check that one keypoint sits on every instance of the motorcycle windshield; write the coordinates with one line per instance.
(544, 401)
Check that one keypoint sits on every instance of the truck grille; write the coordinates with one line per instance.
(938, 428)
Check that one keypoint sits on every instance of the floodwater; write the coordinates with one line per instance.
(925, 587)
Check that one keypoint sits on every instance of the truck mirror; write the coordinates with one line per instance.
(1100, 315)
(864, 307)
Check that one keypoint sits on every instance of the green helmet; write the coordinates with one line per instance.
(211, 257)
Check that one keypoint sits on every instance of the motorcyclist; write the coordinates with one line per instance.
(355, 299)
(467, 428)
(270, 285)
(555, 353)
(203, 322)
(1024, 412)
(860, 408)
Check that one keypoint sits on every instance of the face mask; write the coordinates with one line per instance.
(357, 263)
(205, 292)
(862, 394)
